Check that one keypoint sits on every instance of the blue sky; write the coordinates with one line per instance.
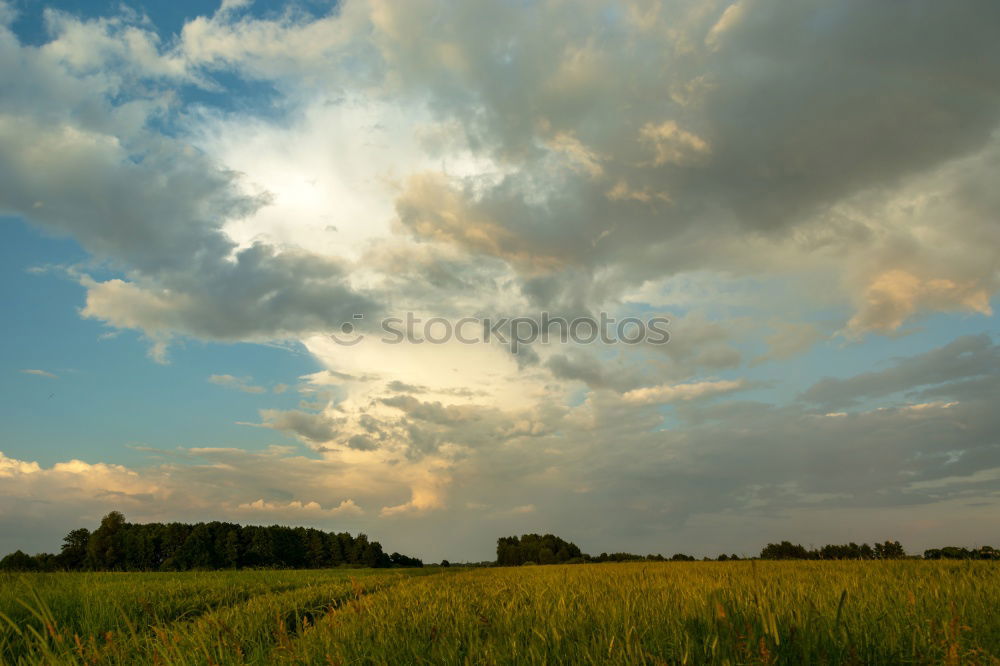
(108, 395)
(194, 195)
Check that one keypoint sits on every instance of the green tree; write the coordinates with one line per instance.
(18, 561)
(104, 548)
(232, 549)
(73, 554)
(890, 550)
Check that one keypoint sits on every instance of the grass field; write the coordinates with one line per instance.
(635, 613)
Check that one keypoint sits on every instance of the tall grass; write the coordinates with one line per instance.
(905, 612)
(217, 617)
(677, 613)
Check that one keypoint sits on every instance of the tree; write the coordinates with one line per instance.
(45, 562)
(890, 550)
(104, 548)
(336, 555)
(197, 551)
(398, 560)
(958, 553)
(851, 551)
(261, 551)
(18, 561)
(73, 554)
(785, 550)
(373, 557)
(544, 549)
(318, 553)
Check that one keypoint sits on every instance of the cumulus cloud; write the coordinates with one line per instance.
(312, 427)
(895, 295)
(152, 206)
(780, 177)
(646, 188)
(297, 508)
(24, 482)
(737, 165)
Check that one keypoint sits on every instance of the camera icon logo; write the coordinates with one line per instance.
(350, 335)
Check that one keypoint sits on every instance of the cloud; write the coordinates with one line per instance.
(39, 373)
(671, 393)
(154, 208)
(295, 507)
(553, 166)
(290, 44)
(730, 18)
(74, 480)
(7, 14)
(672, 144)
(962, 360)
(435, 208)
(576, 365)
(721, 162)
(238, 383)
(314, 428)
(754, 463)
(788, 340)
(811, 148)
(895, 295)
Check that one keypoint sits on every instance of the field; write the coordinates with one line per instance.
(636, 613)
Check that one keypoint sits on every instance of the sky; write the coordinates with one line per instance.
(204, 205)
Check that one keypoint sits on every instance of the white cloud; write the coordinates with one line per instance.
(671, 393)
(672, 144)
(39, 373)
(732, 15)
(296, 507)
(239, 383)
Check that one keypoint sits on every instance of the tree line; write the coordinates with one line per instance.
(118, 545)
(786, 550)
(958, 553)
(515, 551)
(550, 549)
(889, 550)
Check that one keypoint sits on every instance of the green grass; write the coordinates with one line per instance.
(638, 613)
(222, 617)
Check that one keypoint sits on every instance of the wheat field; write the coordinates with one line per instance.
(747, 612)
